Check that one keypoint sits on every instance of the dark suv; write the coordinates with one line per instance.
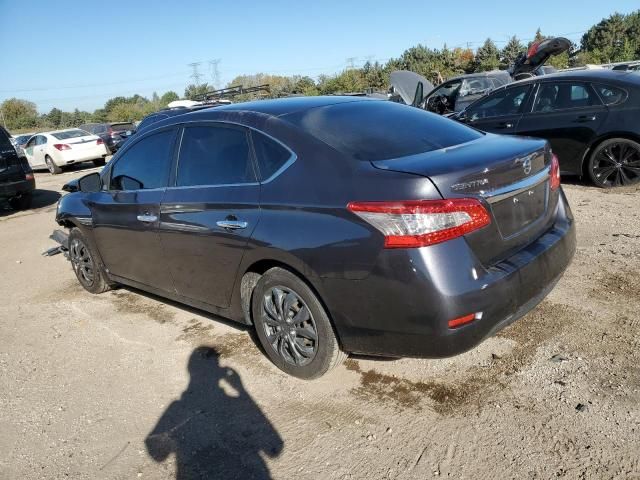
(16, 177)
(333, 225)
(113, 134)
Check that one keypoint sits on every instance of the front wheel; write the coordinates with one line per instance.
(85, 265)
(51, 166)
(293, 326)
(615, 163)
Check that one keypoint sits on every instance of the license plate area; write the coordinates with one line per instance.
(515, 213)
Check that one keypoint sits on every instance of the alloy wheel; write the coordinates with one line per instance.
(617, 164)
(289, 326)
(82, 262)
(49, 163)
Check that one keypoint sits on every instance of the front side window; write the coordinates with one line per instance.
(270, 154)
(145, 165)
(505, 102)
(563, 96)
(212, 155)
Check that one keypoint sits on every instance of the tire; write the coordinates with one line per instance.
(85, 264)
(277, 300)
(51, 166)
(23, 202)
(99, 162)
(615, 163)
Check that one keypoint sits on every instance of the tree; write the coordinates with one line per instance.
(614, 39)
(19, 114)
(487, 57)
(54, 117)
(511, 51)
(167, 98)
(192, 90)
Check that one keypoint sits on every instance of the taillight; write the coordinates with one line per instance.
(460, 321)
(554, 173)
(419, 223)
(61, 146)
(99, 142)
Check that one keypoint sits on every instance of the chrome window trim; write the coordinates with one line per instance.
(518, 187)
(277, 173)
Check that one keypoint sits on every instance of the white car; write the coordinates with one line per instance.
(54, 150)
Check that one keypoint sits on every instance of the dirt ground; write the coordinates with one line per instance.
(124, 385)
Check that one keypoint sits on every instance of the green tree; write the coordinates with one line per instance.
(19, 114)
(614, 39)
(192, 90)
(511, 51)
(168, 97)
(487, 57)
(53, 118)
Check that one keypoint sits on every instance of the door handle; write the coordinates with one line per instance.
(585, 118)
(505, 125)
(147, 218)
(232, 224)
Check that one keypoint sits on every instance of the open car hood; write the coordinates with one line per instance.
(538, 54)
(411, 86)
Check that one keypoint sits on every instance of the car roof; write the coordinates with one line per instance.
(616, 76)
(285, 106)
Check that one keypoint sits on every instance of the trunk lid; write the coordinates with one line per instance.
(510, 175)
(537, 55)
(82, 143)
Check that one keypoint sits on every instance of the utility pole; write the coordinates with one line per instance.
(196, 75)
(351, 63)
(215, 72)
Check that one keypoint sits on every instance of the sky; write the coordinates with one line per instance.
(78, 54)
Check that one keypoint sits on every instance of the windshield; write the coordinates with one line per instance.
(380, 130)
(70, 134)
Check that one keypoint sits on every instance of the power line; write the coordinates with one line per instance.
(215, 72)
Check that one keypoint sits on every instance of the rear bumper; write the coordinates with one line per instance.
(14, 189)
(403, 308)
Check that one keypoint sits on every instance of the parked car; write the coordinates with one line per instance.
(590, 118)
(333, 225)
(16, 177)
(60, 148)
(113, 134)
(457, 93)
(628, 67)
(19, 141)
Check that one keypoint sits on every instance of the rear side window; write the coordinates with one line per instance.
(610, 95)
(145, 165)
(214, 156)
(379, 130)
(270, 154)
(563, 96)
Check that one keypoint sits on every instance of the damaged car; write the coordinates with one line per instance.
(457, 93)
(331, 225)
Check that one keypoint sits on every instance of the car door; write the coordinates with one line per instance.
(208, 215)
(568, 114)
(126, 212)
(40, 150)
(501, 111)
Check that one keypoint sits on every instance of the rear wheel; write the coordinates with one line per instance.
(85, 265)
(615, 163)
(99, 162)
(293, 327)
(53, 168)
(22, 202)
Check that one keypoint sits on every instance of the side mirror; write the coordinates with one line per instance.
(71, 186)
(90, 183)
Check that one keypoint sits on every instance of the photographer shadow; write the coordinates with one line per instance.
(215, 430)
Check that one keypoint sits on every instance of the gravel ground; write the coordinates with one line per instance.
(124, 385)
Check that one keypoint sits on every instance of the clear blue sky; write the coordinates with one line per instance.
(70, 53)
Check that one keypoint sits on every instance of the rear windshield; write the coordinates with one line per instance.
(122, 127)
(70, 134)
(380, 130)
